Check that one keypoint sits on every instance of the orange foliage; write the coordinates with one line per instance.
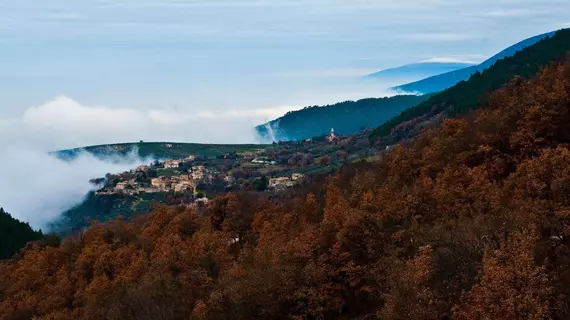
(437, 229)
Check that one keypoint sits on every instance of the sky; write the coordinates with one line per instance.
(86, 72)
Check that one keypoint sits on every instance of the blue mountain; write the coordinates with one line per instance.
(447, 80)
(415, 71)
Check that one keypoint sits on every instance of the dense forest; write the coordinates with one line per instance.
(14, 235)
(470, 94)
(346, 117)
(468, 221)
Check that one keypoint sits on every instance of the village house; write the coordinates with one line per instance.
(148, 190)
(229, 179)
(297, 176)
(171, 164)
(198, 172)
(121, 186)
(183, 186)
(280, 182)
(248, 156)
(143, 168)
(161, 183)
(263, 161)
(197, 175)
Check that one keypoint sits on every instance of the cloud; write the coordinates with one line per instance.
(66, 16)
(65, 114)
(330, 73)
(441, 36)
(450, 60)
(37, 187)
(514, 12)
(66, 123)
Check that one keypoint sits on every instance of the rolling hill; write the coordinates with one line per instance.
(159, 150)
(345, 117)
(469, 94)
(446, 80)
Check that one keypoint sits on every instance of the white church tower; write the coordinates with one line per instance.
(332, 136)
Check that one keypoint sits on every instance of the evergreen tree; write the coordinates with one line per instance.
(14, 235)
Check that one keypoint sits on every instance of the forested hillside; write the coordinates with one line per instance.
(14, 235)
(468, 221)
(345, 117)
(469, 94)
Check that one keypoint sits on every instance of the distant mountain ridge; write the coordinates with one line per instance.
(351, 116)
(345, 117)
(415, 71)
(446, 80)
(468, 95)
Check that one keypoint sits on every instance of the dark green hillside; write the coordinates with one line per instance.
(468, 94)
(104, 208)
(14, 235)
(345, 117)
(161, 150)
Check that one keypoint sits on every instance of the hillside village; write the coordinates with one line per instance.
(203, 172)
(277, 167)
(188, 174)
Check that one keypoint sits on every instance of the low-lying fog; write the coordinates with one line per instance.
(37, 187)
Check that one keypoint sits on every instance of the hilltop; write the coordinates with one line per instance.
(159, 150)
(345, 118)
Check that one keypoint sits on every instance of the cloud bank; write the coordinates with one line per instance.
(66, 123)
(36, 187)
